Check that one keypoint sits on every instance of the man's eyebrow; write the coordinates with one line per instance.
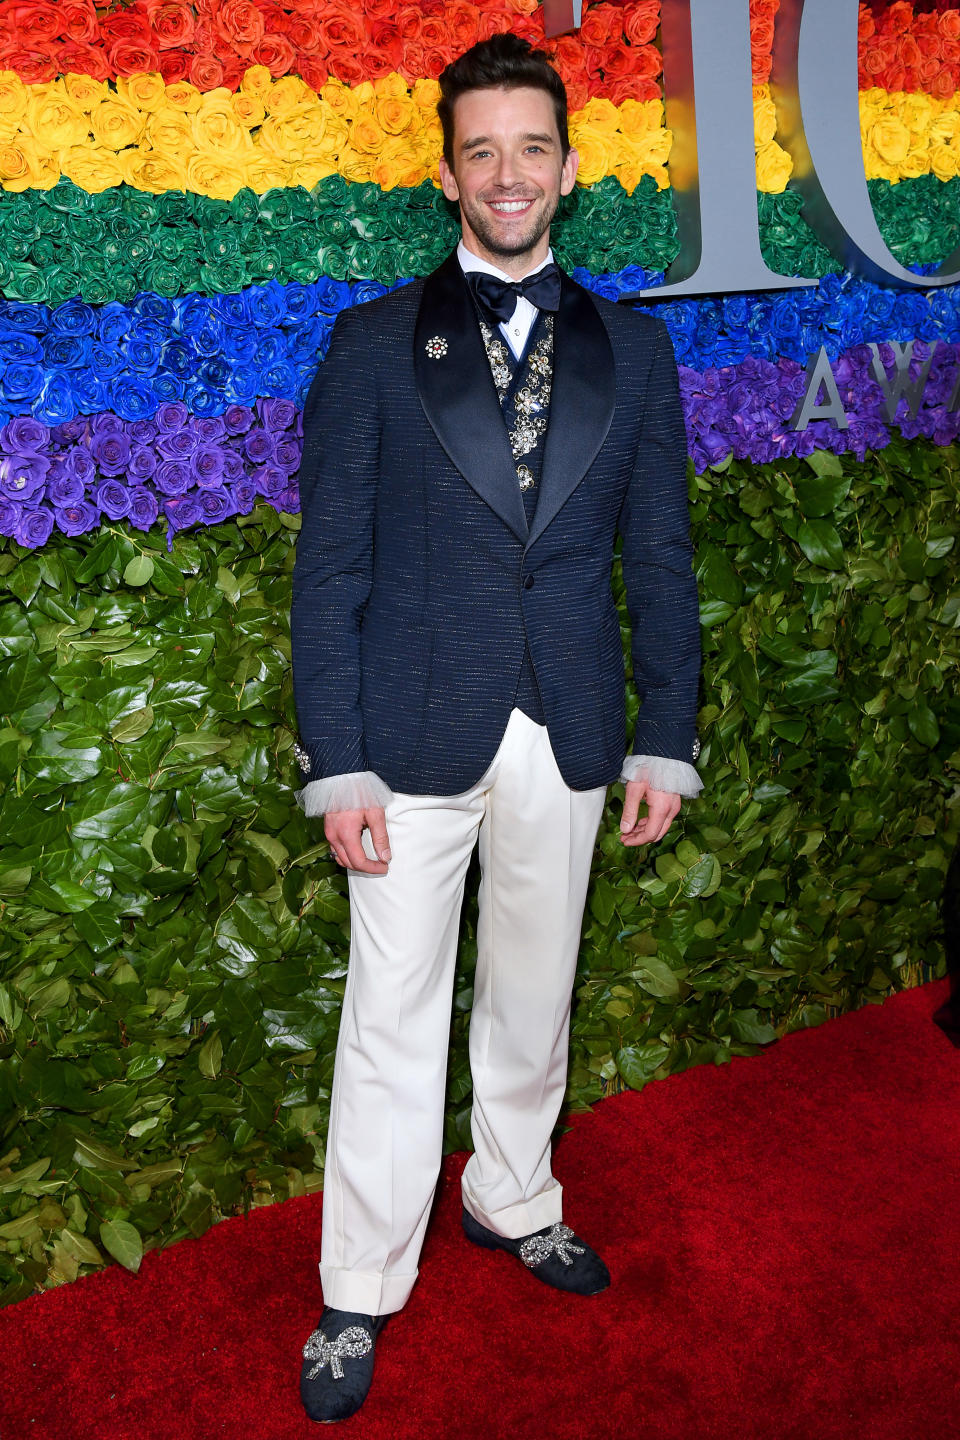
(476, 140)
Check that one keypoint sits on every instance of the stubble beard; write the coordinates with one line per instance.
(495, 244)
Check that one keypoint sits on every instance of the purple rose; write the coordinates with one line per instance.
(111, 450)
(24, 436)
(106, 424)
(143, 509)
(172, 417)
(207, 467)
(34, 527)
(277, 414)
(210, 428)
(269, 480)
(77, 518)
(233, 468)
(287, 454)
(174, 477)
(177, 444)
(10, 513)
(23, 475)
(70, 430)
(181, 511)
(215, 505)
(244, 495)
(142, 432)
(289, 500)
(79, 463)
(258, 447)
(63, 487)
(113, 499)
(237, 419)
(142, 464)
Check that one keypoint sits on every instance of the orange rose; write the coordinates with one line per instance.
(171, 22)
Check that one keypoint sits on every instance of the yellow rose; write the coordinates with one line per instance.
(889, 139)
(355, 166)
(25, 166)
(256, 81)
(144, 92)
(395, 166)
(94, 168)
(600, 116)
(248, 109)
(426, 93)
(365, 96)
(216, 130)
(218, 178)
(340, 98)
(774, 168)
(336, 134)
(945, 128)
(266, 172)
(917, 111)
(184, 96)
(169, 131)
(391, 87)
(764, 116)
(917, 163)
(639, 117)
(13, 97)
(596, 154)
(944, 161)
(287, 95)
(295, 138)
(154, 170)
(309, 173)
(55, 120)
(85, 91)
(366, 135)
(396, 113)
(115, 123)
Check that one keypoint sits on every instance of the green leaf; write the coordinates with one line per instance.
(703, 878)
(637, 1063)
(123, 1242)
(824, 463)
(923, 724)
(133, 725)
(718, 579)
(139, 570)
(746, 1025)
(210, 1057)
(823, 494)
(656, 977)
(821, 544)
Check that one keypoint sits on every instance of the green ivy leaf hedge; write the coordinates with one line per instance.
(173, 935)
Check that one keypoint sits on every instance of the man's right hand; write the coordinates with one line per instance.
(344, 830)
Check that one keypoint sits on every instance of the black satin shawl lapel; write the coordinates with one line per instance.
(458, 396)
(581, 401)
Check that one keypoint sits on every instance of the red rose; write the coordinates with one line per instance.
(492, 23)
(239, 22)
(379, 9)
(897, 18)
(435, 61)
(463, 24)
(125, 25)
(412, 65)
(205, 72)
(948, 23)
(174, 65)
(132, 57)
(80, 59)
(304, 33)
(930, 67)
(602, 24)
(892, 78)
(632, 89)
(347, 67)
(376, 63)
(34, 66)
(908, 51)
(386, 42)
(944, 84)
(342, 29)
(761, 46)
(578, 93)
(866, 25)
(641, 22)
(408, 21)
(172, 23)
(78, 21)
(950, 50)
(313, 71)
(928, 43)
(434, 34)
(433, 8)
(36, 24)
(276, 52)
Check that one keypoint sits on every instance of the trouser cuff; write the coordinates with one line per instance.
(365, 1291)
(516, 1221)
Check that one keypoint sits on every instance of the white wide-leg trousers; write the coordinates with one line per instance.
(386, 1123)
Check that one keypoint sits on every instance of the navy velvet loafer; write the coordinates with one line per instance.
(338, 1364)
(554, 1255)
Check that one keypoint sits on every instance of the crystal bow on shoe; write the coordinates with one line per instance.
(557, 1241)
(350, 1344)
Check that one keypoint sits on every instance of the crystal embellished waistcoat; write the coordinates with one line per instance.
(523, 389)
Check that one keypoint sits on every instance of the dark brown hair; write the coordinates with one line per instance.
(502, 62)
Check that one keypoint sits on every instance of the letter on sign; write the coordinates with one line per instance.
(819, 374)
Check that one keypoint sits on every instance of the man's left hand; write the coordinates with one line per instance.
(662, 807)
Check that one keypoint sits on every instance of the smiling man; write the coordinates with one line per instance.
(473, 443)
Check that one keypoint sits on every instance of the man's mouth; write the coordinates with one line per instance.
(510, 207)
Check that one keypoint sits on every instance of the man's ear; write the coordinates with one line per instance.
(568, 175)
(448, 181)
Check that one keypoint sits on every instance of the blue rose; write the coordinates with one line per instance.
(106, 361)
(89, 391)
(331, 296)
(239, 344)
(66, 351)
(365, 290)
(280, 379)
(55, 403)
(74, 318)
(112, 322)
(132, 399)
(215, 373)
(20, 315)
(266, 304)
(21, 381)
(154, 307)
(203, 401)
(167, 388)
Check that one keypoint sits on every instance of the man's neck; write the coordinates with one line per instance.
(511, 267)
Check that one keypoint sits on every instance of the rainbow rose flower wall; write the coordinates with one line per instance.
(191, 194)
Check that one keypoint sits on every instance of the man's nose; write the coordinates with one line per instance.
(507, 172)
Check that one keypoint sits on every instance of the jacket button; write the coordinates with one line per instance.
(528, 582)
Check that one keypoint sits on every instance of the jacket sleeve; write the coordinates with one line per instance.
(657, 570)
(334, 565)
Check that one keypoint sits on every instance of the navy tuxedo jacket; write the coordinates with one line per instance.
(417, 582)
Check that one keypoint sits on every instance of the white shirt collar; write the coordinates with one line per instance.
(469, 261)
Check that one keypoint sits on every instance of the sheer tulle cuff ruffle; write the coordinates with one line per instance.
(360, 790)
(674, 775)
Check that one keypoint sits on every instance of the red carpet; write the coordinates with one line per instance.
(782, 1232)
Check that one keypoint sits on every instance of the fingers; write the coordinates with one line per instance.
(633, 794)
(662, 809)
(344, 830)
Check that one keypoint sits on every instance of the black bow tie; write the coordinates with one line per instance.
(500, 297)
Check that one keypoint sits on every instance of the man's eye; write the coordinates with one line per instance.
(479, 154)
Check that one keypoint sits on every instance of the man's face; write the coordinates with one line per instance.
(508, 174)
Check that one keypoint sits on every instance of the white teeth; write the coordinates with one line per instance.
(510, 207)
